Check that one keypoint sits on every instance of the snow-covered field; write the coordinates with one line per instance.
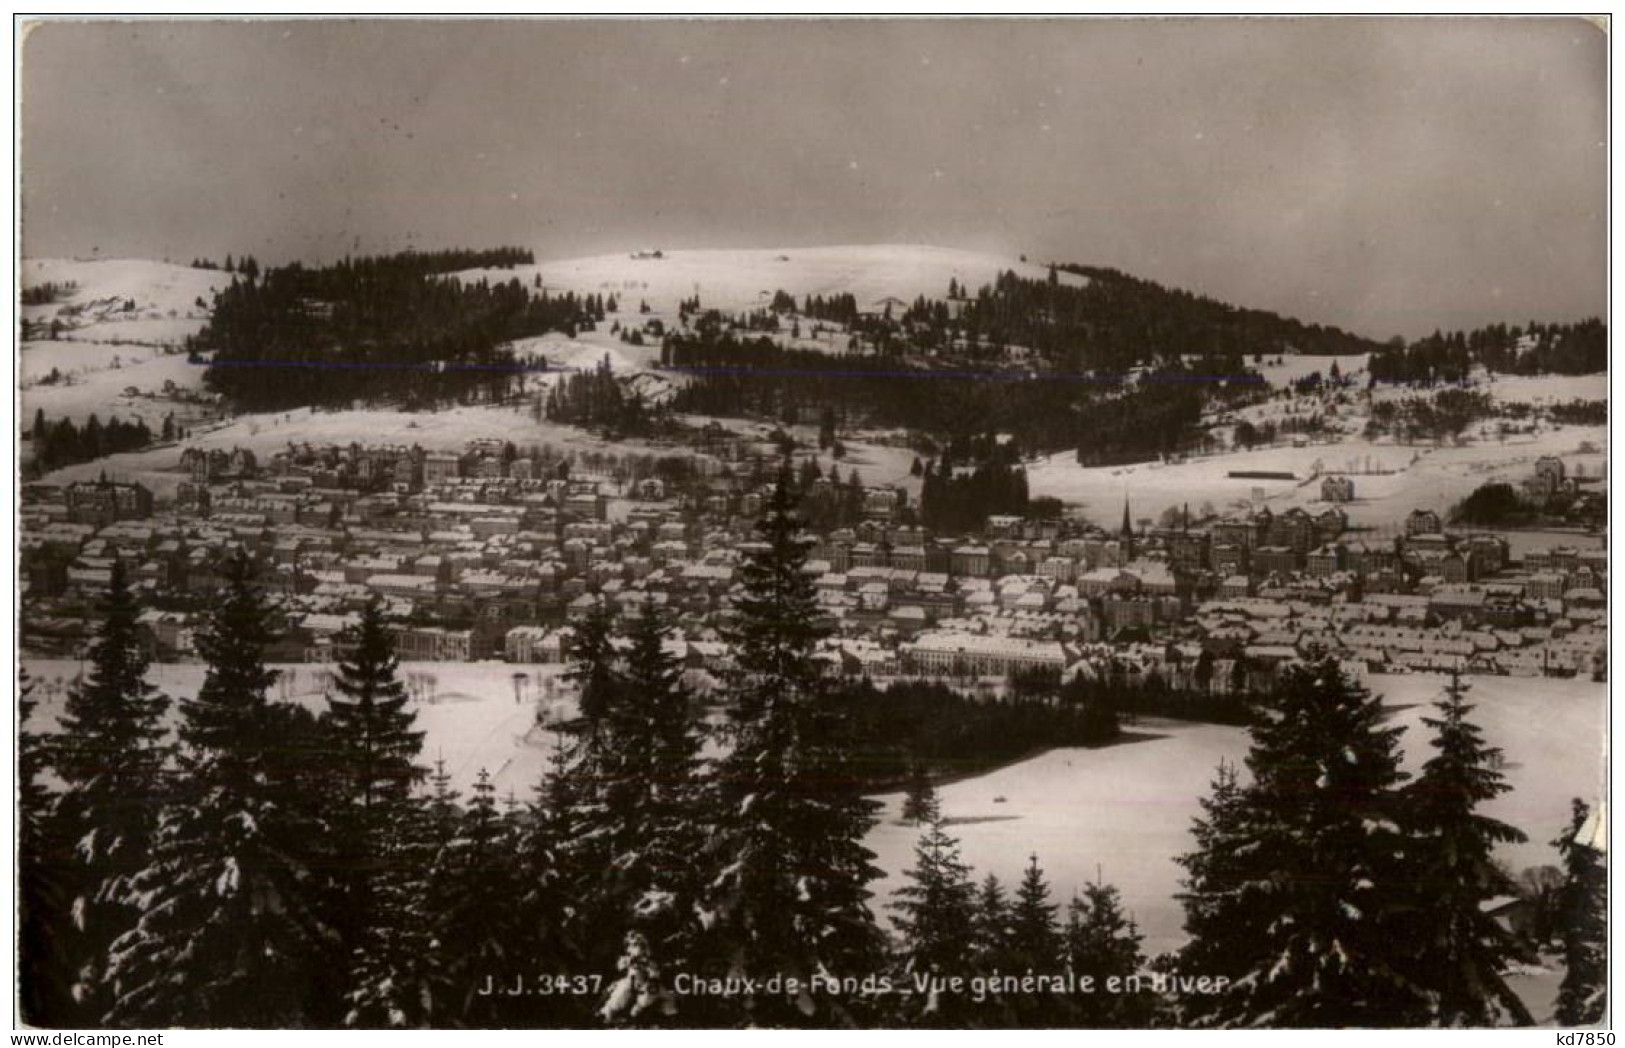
(1292, 367)
(746, 279)
(1120, 812)
(102, 347)
(1124, 812)
(165, 297)
(1424, 478)
(98, 376)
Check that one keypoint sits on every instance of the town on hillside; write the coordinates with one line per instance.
(492, 553)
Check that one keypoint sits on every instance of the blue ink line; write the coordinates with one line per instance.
(1250, 378)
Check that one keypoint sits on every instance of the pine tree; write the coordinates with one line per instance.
(374, 738)
(991, 935)
(44, 974)
(1462, 950)
(1212, 887)
(1034, 945)
(791, 897)
(1103, 946)
(542, 909)
(396, 980)
(111, 756)
(230, 932)
(375, 751)
(1035, 936)
(471, 918)
(920, 802)
(1582, 921)
(1319, 868)
(936, 917)
(655, 827)
(393, 967)
(587, 765)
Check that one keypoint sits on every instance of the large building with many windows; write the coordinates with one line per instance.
(949, 652)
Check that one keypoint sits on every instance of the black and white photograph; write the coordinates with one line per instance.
(1094, 523)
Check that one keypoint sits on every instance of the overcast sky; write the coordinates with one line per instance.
(1389, 176)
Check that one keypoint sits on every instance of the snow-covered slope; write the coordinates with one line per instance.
(735, 280)
(1389, 480)
(162, 299)
(121, 327)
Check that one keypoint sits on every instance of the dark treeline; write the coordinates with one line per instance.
(1158, 416)
(62, 443)
(840, 308)
(392, 327)
(1153, 695)
(47, 293)
(596, 400)
(923, 724)
(738, 377)
(960, 500)
(1118, 321)
(837, 504)
(1579, 412)
(1103, 418)
(1494, 505)
(264, 865)
(1436, 416)
(1565, 349)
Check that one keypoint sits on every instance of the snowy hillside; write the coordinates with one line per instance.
(1421, 478)
(123, 300)
(878, 461)
(119, 327)
(1391, 478)
(737, 280)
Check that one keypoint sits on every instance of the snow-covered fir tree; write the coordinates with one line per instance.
(111, 755)
(790, 895)
(1212, 891)
(920, 803)
(394, 980)
(473, 919)
(1101, 944)
(1462, 951)
(1582, 921)
(990, 933)
(936, 920)
(230, 933)
(375, 747)
(584, 766)
(655, 824)
(44, 975)
(1320, 868)
(543, 912)
(1036, 946)
(1035, 937)
(378, 828)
